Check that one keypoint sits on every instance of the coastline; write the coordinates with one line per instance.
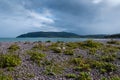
(58, 56)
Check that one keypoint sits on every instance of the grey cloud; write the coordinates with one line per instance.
(79, 16)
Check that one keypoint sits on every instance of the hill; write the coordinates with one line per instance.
(64, 35)
(113, 36)
(49, 34)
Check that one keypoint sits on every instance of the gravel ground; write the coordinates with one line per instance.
(29, 68)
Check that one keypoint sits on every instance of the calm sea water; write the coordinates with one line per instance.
(44, 39)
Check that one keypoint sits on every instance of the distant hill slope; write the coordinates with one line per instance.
(64, 35)
(113, 36)
(49, 34)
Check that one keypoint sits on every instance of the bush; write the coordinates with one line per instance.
(53, 69)
(82, 64)
(9, 60)
(69, 52)
(104, 66)
(39, 47)
(91, 44)
(48, 41)
(57, 50)
(115, 78)
(70, 76)
(113, 42)
(110, 49)
(5, 77)
(36, 56)
(108, 58)
(92, 51)
(13, 48)
(72, 45)
(84, 76)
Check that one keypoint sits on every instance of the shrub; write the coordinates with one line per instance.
(77, 61)
(36, 56)
(5, 77)
(115, 78)
(108, 67)
(57, 50)
(72, 45)
(84, 76)
(92, 51)
(53, 69)
(48, 41)
(113, 42)
(39, 47)
(9, 60)
(70, 76)
(69, 52)
(82, 64)
(91, 44)
(13, 48)
(108, 58)
(103, 78)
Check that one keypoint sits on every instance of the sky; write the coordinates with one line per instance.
(83, 17)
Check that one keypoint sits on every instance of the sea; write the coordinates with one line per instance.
(46, 39)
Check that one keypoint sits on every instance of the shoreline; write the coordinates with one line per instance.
(61, 60)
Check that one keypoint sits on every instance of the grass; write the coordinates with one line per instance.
(71, 76)
(92, 51)
(84, 76)
(9, 60)
(80, 64)
(104, 66)
(39, 47)
(57, 50)
(52, 68)
(108, 58)
(113, 42)
(112, 78)
(100, 58)
(36, 56)
(72, 45)
(13, 48)
(91, 44)
(5, 77)
(69, 52)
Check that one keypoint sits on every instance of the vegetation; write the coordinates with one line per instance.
(53, 68)
(13, 48)
(57, 50)
(86, 58)
(70, 76)
(49, 34)
(113, 42)
(84, 76)
(9, 60)
(5, 77)
(69, 52)
(91, 44)
(40, 47)
(36, 56)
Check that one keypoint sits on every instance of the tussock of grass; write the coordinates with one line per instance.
(36, 56)
(5, 77)
(69, 52)
(71, 76)
(9, 60)
(91, 44)
(113, 42)
(13, 48)
(84, 76)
